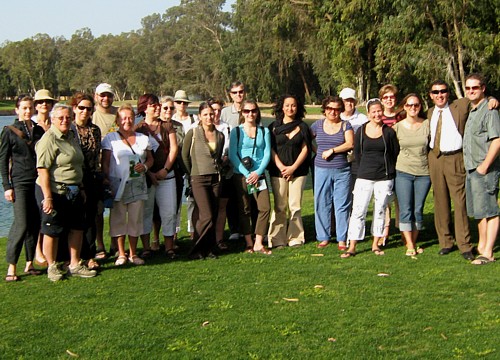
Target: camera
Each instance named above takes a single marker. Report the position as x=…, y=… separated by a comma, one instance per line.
x=247, y=162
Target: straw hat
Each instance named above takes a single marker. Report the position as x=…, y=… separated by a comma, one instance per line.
x=44, y=94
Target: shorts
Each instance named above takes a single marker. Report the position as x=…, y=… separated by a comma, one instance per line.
x=126, y=219
x=482, y=194
x=67, y=214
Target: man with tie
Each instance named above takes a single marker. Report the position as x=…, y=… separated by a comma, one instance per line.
x=447, y=171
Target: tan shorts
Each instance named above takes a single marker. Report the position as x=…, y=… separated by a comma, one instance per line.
x=126, y=219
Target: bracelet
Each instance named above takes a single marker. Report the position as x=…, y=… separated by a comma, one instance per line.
x=166, y=169
x=333, y=150
x=145, y=168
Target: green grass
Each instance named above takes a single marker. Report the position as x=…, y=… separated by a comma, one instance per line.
x=7, y=105
x=431, y=307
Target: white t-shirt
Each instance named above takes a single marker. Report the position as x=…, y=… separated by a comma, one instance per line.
x=121, y=154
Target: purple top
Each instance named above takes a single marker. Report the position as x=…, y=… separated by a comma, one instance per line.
x=326, y=141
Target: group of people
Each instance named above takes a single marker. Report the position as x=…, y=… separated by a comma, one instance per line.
x=60, y=173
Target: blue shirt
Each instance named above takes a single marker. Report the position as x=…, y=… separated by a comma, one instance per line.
x=244, y=147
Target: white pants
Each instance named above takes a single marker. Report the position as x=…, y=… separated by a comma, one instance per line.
x=166, y=199
x=362, y=194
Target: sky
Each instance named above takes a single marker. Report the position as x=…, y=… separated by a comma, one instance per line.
x=63, y=17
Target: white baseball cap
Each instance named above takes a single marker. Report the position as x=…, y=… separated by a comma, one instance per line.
x=104, y=88
x=348, y=93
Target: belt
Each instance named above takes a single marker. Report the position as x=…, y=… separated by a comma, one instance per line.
x=448, y=153
x=62, y=188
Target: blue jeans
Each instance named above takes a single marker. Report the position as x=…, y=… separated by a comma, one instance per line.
x=331, y=187
x=411, y=191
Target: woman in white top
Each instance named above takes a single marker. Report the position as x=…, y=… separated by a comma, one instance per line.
x=126, y=157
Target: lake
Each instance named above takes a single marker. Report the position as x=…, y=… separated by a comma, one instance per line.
x=5, y=207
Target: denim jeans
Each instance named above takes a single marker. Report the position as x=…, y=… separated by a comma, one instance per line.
x=411, y=191
x=331, y=188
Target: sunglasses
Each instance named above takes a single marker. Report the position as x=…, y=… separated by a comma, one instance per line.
x=388, y=97
x=416, y=105
x=45, y=101
x=103, y=95
x=239, y=92
x=442, y=91
x=182, y=102
x=88, y=108
x=248, y=111
x=329, y=108
x=169, y=107
x=473, y=88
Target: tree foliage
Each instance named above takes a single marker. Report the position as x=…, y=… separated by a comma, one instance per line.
x=308, y=47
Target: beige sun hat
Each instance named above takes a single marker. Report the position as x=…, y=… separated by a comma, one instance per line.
x=181, y=95
x=43, y=94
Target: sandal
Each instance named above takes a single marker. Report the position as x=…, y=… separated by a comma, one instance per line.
x=480, y=260
x=222, y=245
x=12, y=278
x=323, y=244
x=122, y=260
x=155, y=245
x=342, y=247
x=41, y=263
x=249, y=250
x=136, y=260
x=101, y=254
x=411, y=252
x=264, y=251
x=146, y=254
x=348, y=254
x=378, y=252
x=93, y=265
x=32, y=271
x=171, y=254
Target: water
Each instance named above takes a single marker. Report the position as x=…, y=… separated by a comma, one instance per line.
x=5, y=207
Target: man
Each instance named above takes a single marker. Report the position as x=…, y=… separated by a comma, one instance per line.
x=104, y=117
x=481, y=148
x=446, y=166
x=105, y=112
x=231, y=114
x=351, y=114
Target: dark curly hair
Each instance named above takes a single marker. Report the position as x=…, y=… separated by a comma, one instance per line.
x=332, y=99
x=278, y=108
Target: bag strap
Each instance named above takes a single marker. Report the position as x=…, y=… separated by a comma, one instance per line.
x=123, y=138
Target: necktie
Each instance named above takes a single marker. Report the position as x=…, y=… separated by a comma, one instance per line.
x=437, y=138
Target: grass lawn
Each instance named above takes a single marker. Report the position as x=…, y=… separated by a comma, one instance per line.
x=290, y=305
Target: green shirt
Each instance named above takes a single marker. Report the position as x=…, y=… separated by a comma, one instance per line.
x=413, y=144
x=482, y=126
x=62, y=156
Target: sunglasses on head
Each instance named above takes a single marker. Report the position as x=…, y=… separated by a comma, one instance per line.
x=248, y=111
x=88, y=108
x=441, y=91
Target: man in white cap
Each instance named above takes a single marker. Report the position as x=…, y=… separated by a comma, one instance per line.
x=104, y=117
x=350, y=113
x=105, y=112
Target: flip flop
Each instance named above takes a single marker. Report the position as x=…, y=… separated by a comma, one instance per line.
x=322, y=244
x=264, y=251
x=33, y=272
x=347, y=255
x=12, y=278
x=378, y=252
x=249, y=250
x=481, y=260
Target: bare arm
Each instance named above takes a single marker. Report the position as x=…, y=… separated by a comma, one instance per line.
x=491, y=155
x=44, y=182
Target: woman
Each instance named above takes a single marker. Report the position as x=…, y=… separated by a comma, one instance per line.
x=44, y=102
x=332, y=172
x=202, y=154
x=126, y=157
x=250, y=152
x=412, y=171
x=161, y=174
x=60, y=193
x=289, y=166
x=225, y=185
x=376, y=149
x=89, y=138
x=18, y=170
x=388, y=94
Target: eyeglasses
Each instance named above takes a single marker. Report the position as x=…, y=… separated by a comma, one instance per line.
x=169, y=107
x=329, y=108
x=182, y=102
x=441, y=91
x=61, y=118
x=103, y=95
x=389, y=97
x=416, y=105
x=248, y=111
x=88, y=108
x=239, y=92
x=473, y=88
